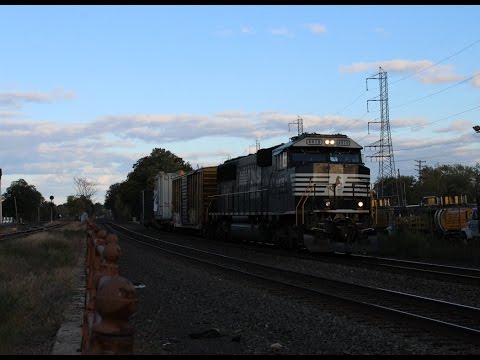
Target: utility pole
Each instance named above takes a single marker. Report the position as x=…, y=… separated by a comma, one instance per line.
x=401, y=196
x=16, y=211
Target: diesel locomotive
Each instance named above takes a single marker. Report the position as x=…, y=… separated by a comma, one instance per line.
x=312, y=192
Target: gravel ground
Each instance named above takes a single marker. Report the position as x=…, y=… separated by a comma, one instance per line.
x=186, y=308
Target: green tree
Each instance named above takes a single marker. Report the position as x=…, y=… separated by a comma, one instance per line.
x=441, y=180
x=444, y=180
x=114, y=201
x=22, y=200
x=123, y=199
x=76, y=205
x=99, y=210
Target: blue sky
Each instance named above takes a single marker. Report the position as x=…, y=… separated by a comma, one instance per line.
x=86, y=91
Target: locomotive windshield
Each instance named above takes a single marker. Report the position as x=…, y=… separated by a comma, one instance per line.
x=345, y=158
x=327, y=155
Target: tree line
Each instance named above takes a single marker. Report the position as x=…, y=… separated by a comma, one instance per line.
x=23, y=202
x=441, y=180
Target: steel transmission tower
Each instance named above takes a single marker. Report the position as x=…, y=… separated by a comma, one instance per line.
x=384, y=154
x=299, y=124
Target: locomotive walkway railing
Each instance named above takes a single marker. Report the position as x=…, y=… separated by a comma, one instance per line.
x=110, y=299
x=303, y=200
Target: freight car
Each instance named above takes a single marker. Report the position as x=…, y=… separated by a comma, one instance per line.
x=191, y=196
x=312, y=192
x=162, y=199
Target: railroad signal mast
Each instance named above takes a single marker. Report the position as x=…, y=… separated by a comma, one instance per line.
x=384, y=154
x=51, y=208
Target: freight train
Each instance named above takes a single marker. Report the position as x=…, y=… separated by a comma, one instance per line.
x=312, y=192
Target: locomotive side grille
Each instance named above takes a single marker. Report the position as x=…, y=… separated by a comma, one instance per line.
x=344, y=184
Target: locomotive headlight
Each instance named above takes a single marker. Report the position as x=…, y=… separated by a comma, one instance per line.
x=327, y=203
x=330, y=142
x=360, y=204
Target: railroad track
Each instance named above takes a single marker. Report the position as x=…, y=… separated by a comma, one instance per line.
x=33, y=229
x=435, y=271
x=439, y=272
x=408, y=311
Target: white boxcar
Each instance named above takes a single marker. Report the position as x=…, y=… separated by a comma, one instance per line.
x=162, y=195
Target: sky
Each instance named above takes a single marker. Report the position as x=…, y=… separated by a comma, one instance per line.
x=87, y=90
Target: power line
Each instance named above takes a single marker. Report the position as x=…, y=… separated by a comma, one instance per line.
x=353, y=121
x=445, y=118
x=462, y=139
x=435, y=93
x=408, y=76
x=346, y=107
x=439, y=62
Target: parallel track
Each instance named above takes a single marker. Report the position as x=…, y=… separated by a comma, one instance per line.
x=32, y=230
x=453, y=320
x=439, y=272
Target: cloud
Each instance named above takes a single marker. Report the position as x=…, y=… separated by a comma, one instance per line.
x=16, y=98
x=414, y=122
x=11, y=114
x=247, y=30
x=455, y=126
x=429, y=144
x=317, y=28
x=476, y=79
x=439, y=78
x=281, y=31
x=427, y=73
x=396, y=65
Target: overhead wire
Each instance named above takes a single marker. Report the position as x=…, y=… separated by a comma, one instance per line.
x=438, y=62
x=432, y=94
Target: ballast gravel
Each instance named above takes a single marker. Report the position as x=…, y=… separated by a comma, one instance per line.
x=188, y=309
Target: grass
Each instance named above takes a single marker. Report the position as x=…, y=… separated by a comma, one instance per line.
x=36, y=284
x=429, y=247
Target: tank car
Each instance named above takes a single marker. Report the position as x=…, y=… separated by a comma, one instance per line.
x=312, y=192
